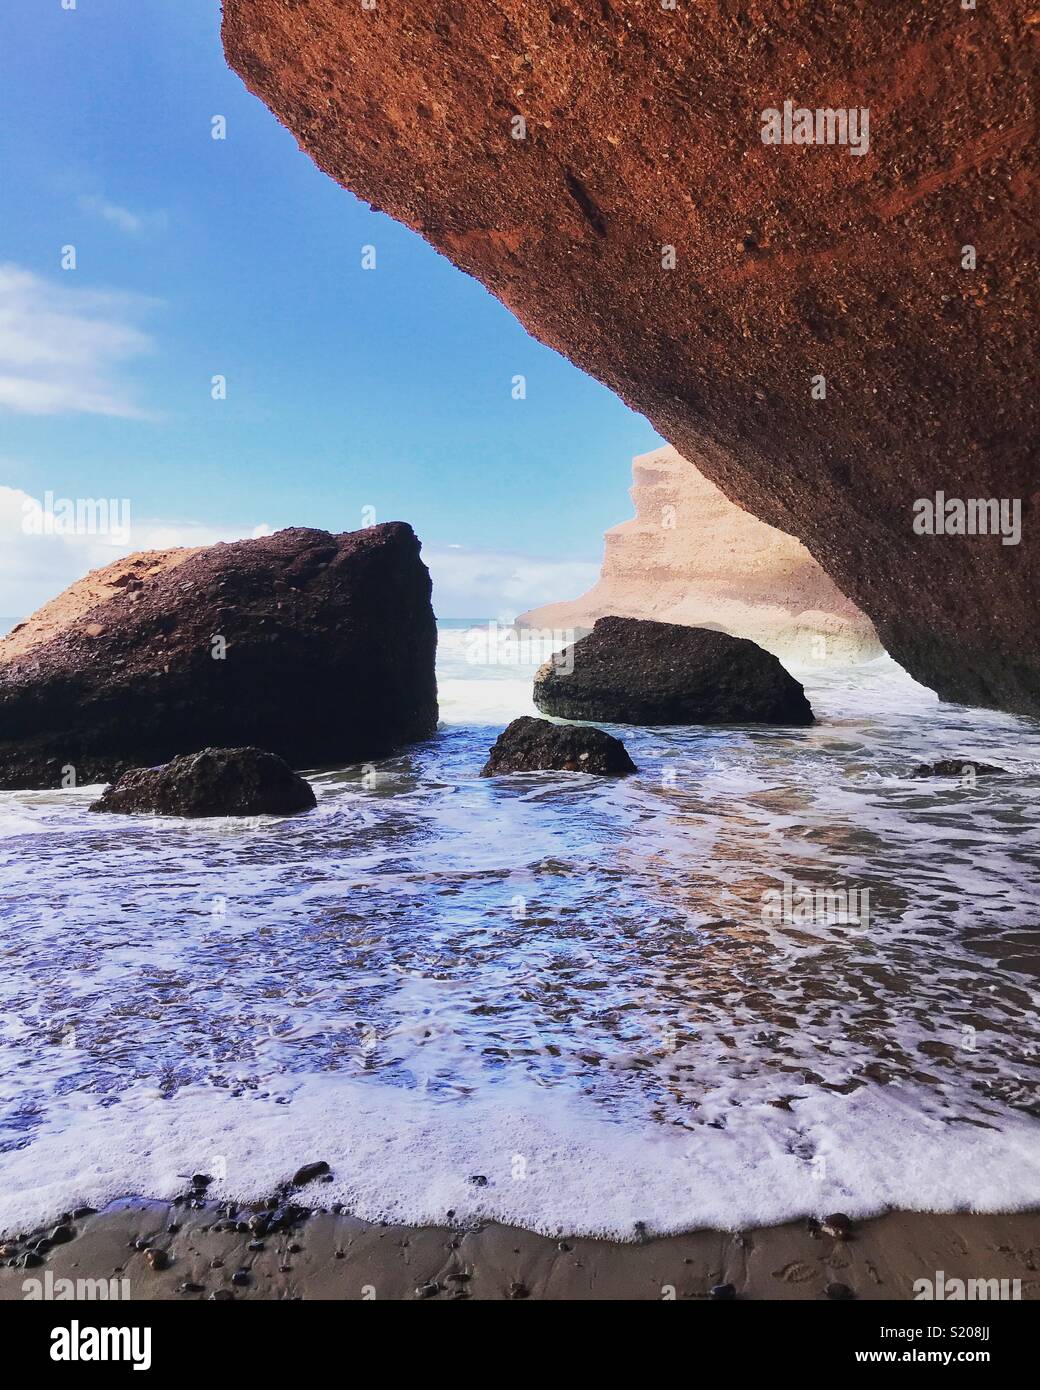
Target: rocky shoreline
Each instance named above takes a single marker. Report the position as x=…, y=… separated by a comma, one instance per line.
x=197, y=1250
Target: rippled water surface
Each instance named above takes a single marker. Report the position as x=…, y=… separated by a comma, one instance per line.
x=563, y=984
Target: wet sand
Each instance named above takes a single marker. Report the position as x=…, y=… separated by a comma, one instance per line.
x=203, y=1251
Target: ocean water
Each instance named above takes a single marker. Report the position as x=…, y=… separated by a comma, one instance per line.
x=551, y=999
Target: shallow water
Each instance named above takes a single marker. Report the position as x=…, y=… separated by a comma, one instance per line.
x=564, y=986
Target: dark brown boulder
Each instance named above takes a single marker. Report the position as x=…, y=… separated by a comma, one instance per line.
x=956, y=767
x=631, y=671
x=535, y=745
x=213, y=782
x=601, y=168
x=316, y=647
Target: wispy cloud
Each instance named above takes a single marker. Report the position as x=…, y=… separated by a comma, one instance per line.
x=62, y=349
x=35, y=568
x=499, y=584
x=133, y=223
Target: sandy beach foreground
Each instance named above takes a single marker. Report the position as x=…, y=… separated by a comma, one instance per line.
x=179, y=1251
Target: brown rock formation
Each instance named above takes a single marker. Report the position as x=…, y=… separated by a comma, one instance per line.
x=690, y=556
x=211, y=782
x=642, y=132
x=126, y=575
x=318, y=648
x=538, y=745
x=633, y=671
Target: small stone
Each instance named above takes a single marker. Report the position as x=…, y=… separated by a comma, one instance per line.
x=722, y=1291
x=217, y=1263
x=200, y=1180
x=957, y=767
x=518, y=1290
x=158, y=1259
x=837, y=1225
x=840, y=1293
x=309, y=1172
x=221, y=1295
x=479, y=1180
x=240, y=1277
x=61, y=1235
x=428, y=1290
x=28, y=1260
x=189, y=1287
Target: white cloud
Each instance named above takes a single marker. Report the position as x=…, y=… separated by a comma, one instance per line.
x=499, y=584
x=133, y=223
x=62, y=348
x=35, y=568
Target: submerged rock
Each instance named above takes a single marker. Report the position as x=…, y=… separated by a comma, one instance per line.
x=317, y=647
x=956, y=767
x=631, y=671
x=309, y=1172
x=533, y=745
x=215, y=782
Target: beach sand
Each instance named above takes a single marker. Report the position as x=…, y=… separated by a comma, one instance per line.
x=326, y=1256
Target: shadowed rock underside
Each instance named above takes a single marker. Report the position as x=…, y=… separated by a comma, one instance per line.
x=791, y=262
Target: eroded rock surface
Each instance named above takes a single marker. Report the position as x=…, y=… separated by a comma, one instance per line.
x=316, y=647
x=212, y=782
x=641, y=150
x=535, y=745
x=628, y=671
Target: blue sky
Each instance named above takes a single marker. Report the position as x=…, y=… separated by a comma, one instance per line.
x=346, y=388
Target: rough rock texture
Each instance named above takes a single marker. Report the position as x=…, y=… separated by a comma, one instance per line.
x=531, y=745
x=126, y=575
x=330, y=644
x=628, y=671
x=956, y=767
x=213, y=782
x=643, y=132
x=690, y=556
